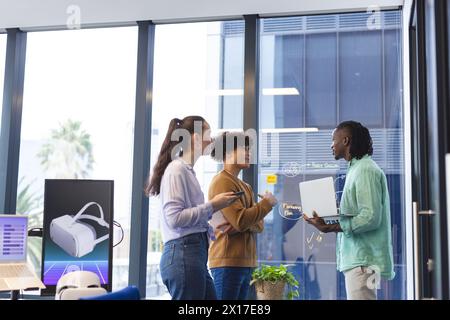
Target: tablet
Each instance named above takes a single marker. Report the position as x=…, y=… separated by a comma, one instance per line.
x=217, y=219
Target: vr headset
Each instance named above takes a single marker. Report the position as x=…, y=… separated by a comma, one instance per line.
x=77, y=284
x=75, y=237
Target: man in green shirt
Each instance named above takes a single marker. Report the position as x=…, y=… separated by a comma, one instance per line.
x=364, y=245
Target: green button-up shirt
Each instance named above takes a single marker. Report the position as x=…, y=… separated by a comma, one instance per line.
x=366, y=237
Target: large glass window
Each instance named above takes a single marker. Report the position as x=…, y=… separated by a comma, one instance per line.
x=2, y=71
x=320, y=81
x=198, y=70
x=360, y=76
x=337, y=67
x=78, y=119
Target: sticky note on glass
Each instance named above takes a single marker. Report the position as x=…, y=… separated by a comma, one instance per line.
x=271, y=179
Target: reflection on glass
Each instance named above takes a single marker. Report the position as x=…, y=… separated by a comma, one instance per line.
x=2, y=70
x=198, y=70
x=343, y=70
x=78, y=116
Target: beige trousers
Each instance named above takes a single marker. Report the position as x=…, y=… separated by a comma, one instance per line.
x=359, y=284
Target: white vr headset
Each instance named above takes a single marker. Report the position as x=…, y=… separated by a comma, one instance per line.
x=77, y=284
x=75, y=237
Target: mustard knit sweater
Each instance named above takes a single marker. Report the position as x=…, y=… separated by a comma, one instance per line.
x=246, y=216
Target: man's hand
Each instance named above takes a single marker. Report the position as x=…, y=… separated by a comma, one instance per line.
x=316, y=221
x=226, y=227
x=320, y=224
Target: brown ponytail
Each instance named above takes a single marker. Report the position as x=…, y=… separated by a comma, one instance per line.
x=153, y=186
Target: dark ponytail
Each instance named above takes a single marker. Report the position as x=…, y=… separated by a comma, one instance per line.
x=153, y=186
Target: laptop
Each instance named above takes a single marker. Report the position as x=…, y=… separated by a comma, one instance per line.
x=319, y=195
x=15, y=274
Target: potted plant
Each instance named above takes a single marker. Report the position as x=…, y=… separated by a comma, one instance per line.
x=270, y=283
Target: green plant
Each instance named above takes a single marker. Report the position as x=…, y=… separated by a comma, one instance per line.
x=275, y=274
x=154, y=241
x=30, y=203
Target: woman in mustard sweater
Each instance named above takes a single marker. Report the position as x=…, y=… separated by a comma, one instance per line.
x=232, y=256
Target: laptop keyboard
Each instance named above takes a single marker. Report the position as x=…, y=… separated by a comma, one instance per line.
x=13, y=271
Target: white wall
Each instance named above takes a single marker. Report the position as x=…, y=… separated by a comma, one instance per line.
x=44, y=14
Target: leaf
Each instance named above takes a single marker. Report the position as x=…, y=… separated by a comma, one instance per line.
x=275, y=274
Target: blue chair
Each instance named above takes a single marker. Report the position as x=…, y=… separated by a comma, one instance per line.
x=128, y=293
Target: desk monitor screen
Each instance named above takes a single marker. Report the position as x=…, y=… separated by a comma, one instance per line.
x=319, y=195
x=13, y=238
x=78, y=225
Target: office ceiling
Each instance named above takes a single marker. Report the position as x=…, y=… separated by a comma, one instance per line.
x=54, y=14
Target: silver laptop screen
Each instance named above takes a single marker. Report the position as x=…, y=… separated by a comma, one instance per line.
x=13, y=238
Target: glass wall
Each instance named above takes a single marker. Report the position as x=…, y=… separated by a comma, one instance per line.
x=2, y=71
x=78, y=119
x=198, y=70
x=315, y=71
x=327, y=69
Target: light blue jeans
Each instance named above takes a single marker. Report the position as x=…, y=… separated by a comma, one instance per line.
x=184, y=268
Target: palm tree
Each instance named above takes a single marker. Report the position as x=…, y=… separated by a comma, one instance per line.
x=68, y=154
x=29, y=203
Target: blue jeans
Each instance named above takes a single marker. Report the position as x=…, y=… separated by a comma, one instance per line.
x=184, y=270
x=232, y=283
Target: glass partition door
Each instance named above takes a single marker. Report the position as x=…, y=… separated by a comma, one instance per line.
x=325, y=69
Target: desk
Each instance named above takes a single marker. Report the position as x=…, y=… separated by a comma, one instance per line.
x=25, y=295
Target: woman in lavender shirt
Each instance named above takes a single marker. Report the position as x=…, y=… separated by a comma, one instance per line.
x=184, y=214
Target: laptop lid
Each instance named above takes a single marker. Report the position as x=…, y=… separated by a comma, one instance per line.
x=319, y=195
x=13, y=238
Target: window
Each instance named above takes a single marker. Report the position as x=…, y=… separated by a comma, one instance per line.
x=360, y=76
x=2, y=70
x=198, y=70
x=78, y=119
x=321, y=71
x=330, y=68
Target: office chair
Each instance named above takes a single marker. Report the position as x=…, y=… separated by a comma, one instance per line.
x=128, y=293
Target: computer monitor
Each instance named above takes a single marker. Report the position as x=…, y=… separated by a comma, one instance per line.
x=13, y=238
x=78, y=229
